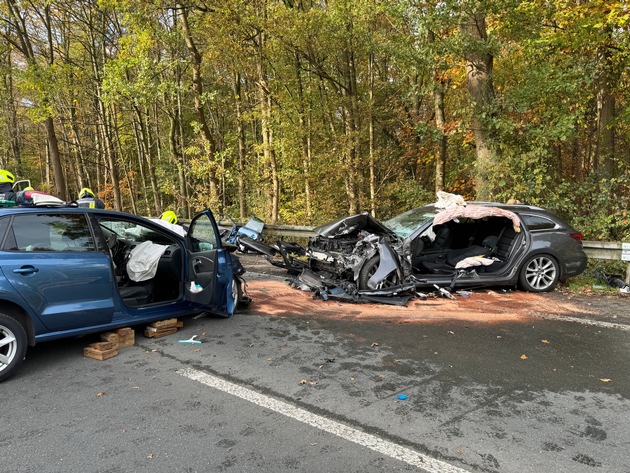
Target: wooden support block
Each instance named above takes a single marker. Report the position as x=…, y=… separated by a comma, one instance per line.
x=159, y=333
x=160, y=329
x=180, y=324
x=126, y=332
x=101, y=346
x=127, y=337
x=99, y=354
x=111, y=337
x=164, y=323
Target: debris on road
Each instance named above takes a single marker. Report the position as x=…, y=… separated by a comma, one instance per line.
x=190, y=341
x=612, y=280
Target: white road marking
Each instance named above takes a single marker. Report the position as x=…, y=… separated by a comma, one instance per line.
x=385, y=447
x=596, y=323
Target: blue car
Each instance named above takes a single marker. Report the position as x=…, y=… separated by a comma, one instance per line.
x=66, y=272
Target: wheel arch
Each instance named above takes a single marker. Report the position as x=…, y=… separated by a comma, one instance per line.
x=543, y=252
x=530, y=258
x=16, y=312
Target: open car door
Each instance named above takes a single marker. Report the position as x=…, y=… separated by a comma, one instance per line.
x=209, y=271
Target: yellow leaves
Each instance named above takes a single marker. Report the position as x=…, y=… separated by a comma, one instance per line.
x=523, y=357
x=101, y=394
x=605, y=380
x=545, y=341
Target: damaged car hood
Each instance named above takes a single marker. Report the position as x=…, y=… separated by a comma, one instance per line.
x=347, y=225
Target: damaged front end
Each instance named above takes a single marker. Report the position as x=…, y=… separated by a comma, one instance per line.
x=352, y=258
x=358, y=249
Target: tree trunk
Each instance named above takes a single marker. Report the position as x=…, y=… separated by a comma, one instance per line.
x=606, y=113
x=305, y=138
x=188, y=210
x=55, y=160
x=440, y=158
x=479, y=66
x=440, y=124
x=140, y=154
x=241, y=157
x=351, y=123
x=266, y=107
x=268, y=146
x=13, y=121
x=198, y=94
x=371, y=133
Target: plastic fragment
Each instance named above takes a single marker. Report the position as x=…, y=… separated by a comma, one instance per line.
x=190, y=341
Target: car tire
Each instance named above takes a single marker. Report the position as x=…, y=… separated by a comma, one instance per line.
x=237, y=292
x=13, y=344
x=540, y=273
x=369, y=268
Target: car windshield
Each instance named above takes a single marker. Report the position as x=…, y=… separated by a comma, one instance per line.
x=408, y=222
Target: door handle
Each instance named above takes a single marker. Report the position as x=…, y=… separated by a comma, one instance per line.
x=26, y=270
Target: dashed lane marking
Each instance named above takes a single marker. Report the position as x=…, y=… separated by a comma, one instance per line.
x=385, y=447
x=596, y=323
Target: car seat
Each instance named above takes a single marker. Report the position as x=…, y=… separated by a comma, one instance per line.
x=447, y=263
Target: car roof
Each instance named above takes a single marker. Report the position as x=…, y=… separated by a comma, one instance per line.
x=53, y=209
x=517, y=209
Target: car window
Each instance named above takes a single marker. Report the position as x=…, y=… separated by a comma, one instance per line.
x=202, y=234
x=408, y=222
x=49, y=232
x=135, y=231
x=536, y=222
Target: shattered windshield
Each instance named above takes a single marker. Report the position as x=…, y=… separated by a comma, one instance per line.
x=408, y=222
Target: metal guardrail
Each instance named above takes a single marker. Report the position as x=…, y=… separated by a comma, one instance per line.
x=280, y=232
x=603, y=250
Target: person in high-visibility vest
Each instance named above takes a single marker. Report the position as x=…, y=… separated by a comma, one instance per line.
x=88, y=199
x=7, y=195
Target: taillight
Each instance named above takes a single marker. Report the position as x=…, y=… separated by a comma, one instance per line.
x=577, y=236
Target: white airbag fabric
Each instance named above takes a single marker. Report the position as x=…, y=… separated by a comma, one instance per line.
x=472, y=261
x=143, y=260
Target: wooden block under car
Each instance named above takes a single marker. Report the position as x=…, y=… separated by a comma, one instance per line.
x=102, y=346
x=111, y=337
x=127, y=336
x=100, y=351
x=169, y=323
x=152, y=332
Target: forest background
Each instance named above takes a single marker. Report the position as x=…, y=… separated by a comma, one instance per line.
x=303, y=111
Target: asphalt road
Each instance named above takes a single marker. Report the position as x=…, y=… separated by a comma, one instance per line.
x=272, y=393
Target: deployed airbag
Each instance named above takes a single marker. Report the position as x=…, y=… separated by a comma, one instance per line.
x=143, y=260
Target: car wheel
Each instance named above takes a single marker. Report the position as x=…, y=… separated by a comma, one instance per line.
x=369, y=268
x=13, y=344
x=237, y=292
x=540, y=273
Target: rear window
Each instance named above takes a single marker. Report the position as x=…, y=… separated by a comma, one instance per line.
x=46, y=232
x=536, y=222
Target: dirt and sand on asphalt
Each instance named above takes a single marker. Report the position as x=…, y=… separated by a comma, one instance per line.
x=273, y=296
